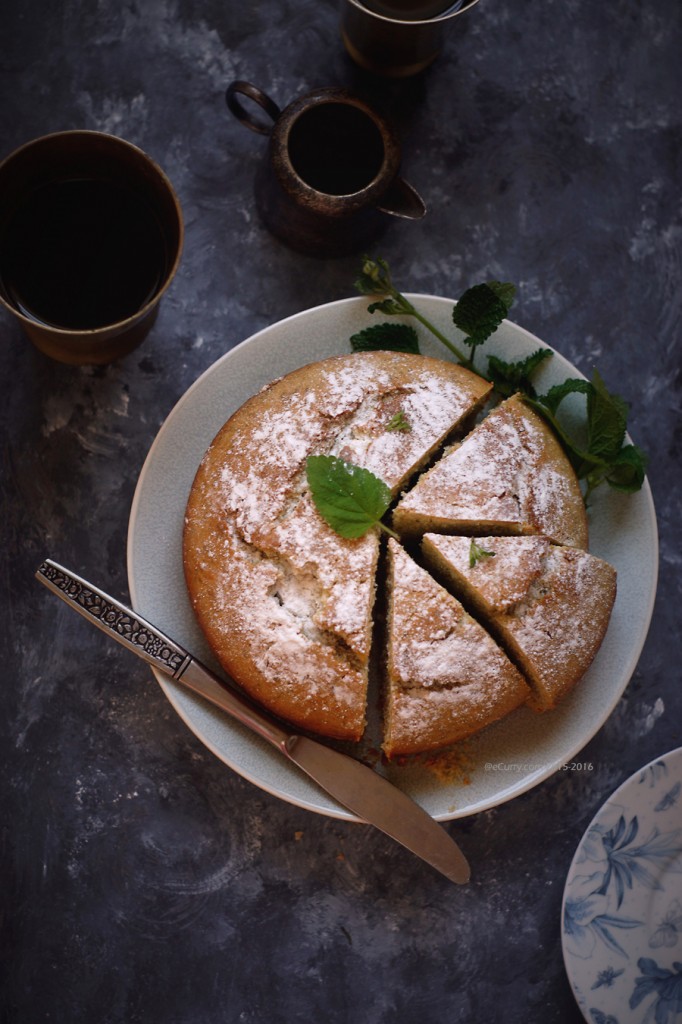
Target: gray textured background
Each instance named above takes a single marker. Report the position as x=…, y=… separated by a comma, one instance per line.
x=142, y=881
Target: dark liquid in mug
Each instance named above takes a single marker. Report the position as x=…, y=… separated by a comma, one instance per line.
x=82, y=253
x=336, y=149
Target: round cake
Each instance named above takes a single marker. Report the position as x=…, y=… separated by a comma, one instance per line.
x=288, y=605
x=284, y=601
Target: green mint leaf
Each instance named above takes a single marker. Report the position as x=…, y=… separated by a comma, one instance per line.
x=605, y=458
x=627, y=470
x=477, y=553
x=479, y=313
x=555, y=396
x=606, y=421
x=508, y=378
x=349, y=498
x=375, y=279
x=583, y=463
x=607, y=416
x=394, y=337
x=399, y=422
x=599, y=457
x=504, y=291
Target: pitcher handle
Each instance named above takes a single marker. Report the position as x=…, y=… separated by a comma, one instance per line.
x=238, y=88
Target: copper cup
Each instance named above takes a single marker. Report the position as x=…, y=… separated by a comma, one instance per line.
x=91, y=234
x=397, y=38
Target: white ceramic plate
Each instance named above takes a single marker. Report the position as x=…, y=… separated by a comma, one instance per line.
x=505, y=760
x=622, y=908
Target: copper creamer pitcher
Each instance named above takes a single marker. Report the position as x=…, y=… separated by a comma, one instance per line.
x=331, y=172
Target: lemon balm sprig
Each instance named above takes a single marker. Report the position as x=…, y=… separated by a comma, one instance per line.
x=478, y=314
x=375, y=279
x=605, y=456
x=602, y=456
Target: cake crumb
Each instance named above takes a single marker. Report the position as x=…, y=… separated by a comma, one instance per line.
x=451, y=766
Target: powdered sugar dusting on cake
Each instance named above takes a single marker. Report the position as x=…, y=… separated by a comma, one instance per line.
x=549, y=605
x=447, y=675
x=502, y=573
x=276, y=618
x=508, y=472
x=260, y=479
x=558, y=621
x=435, y=642
x=315, y=614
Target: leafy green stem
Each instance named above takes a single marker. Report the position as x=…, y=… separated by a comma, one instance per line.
x=388, y=530
x=604, y=456
x=441, y=337
x=375, y=279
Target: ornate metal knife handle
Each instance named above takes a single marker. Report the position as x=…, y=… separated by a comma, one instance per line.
x=132, y=631
x=149, y=643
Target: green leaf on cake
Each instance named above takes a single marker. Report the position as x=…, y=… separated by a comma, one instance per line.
x=477, y=554
x=399, y=422
x=349, y=498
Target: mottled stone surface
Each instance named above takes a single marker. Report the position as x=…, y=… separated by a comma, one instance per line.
x=143, y=881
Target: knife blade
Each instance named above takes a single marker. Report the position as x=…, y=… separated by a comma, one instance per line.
x=354, y=785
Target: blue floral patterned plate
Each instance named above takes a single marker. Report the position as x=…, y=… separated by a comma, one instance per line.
x=622, y=908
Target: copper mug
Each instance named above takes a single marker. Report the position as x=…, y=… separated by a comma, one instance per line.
x=330, y=175
x=397, y=38
x=91, y=234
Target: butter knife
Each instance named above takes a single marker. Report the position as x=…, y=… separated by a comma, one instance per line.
x=354, y=785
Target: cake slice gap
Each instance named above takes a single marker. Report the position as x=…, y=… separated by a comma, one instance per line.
x=445, y=676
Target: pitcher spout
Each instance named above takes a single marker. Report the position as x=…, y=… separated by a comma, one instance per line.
x=402, y=200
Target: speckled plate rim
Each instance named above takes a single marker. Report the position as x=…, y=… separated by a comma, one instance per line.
x=505, y=760
x=599, y=980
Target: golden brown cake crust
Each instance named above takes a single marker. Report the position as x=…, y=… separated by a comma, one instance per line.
x=509, y=475
x=549, y=605
x=446, y=676
x=286, y=603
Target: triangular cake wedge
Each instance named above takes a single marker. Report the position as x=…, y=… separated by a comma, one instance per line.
x=446, y=678
x=548, y=605
x=286, y=603
x=509, y=475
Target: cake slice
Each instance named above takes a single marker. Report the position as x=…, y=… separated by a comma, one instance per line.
x=285, y=603
x=509, y=475
x=446, y=678
x=549, y=606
